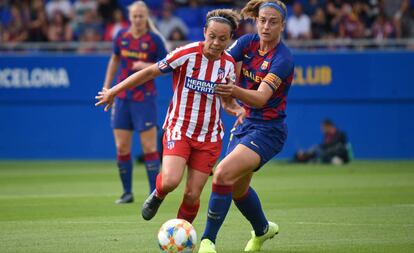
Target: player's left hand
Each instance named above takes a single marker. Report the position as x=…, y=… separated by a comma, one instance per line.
x=240, y=114
x=105, y=96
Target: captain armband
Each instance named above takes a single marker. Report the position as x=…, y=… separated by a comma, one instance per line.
x=273, y=81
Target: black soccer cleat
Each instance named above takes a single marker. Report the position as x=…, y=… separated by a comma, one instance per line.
x=125, y=198
x=150, y=206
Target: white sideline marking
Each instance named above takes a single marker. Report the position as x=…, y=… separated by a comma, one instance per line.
x=349, y=224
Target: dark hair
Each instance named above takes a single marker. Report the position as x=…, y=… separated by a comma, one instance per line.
x=328, y=122
x=227, y=16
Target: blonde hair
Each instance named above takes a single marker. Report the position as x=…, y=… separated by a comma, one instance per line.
x=227, y=16
x=251, y=10
x=150, y=24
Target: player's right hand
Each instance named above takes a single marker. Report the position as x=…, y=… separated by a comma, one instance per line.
x=105, y=96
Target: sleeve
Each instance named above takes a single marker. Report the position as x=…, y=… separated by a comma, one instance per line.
x=173, y=60
x=280, y=69
x=161, y=50
x=117, y=43
x=237, y=48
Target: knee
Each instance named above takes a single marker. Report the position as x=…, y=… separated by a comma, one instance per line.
x=169, y=183
x=223, y=176
x=122, y=149
x=191, y=196
x=148, y=145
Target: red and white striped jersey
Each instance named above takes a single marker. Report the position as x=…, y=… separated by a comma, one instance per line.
x=195, y=110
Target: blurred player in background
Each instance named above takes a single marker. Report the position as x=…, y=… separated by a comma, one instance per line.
x=135, y=48
x=266, y=75
x=193, y=127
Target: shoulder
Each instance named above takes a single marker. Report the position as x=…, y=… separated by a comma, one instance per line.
x=121, y=34
x=248, y=38
x=154, y=36
x=227, y=56
x=189, y=49
x=284, y=55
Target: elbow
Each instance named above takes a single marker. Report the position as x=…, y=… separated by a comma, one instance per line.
x=260, y=104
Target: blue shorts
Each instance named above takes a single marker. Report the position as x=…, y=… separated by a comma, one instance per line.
x=266, y=138
x=131, y=115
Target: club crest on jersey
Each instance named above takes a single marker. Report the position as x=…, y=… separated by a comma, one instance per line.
x=124, y=42
x=144, y=45
x=202, y=86
x=170, y=144
x=264, y=66
x=220, y=73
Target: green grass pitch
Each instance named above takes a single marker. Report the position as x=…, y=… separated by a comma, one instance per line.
x=67, y=206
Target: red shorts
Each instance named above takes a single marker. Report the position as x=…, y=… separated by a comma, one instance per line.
x=201, y=156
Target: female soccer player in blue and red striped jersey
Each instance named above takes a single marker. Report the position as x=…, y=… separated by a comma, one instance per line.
x=266, y=72
x=193, y=127
x=135, y=48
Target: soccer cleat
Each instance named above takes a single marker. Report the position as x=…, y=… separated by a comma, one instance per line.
x=255, y=244
x=125, y=198
x=150, y=206
x=207, y=246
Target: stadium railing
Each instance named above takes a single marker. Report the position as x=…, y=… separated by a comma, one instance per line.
x=106, y=47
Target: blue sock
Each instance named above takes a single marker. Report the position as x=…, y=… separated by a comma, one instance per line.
x=125, y=172
x=249, y=205
x=152, y=165
x=218, y=207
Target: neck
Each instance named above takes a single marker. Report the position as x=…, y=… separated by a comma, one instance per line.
x=138, y=33
x=209, y=56
x=266, y=46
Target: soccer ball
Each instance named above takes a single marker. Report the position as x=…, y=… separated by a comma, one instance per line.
x=177, y=236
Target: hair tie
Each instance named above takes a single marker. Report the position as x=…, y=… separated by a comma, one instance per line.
x=274, y=6
x=222, y=19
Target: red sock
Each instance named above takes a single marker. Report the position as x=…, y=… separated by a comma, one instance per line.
x=188, y=212
x=158, y=187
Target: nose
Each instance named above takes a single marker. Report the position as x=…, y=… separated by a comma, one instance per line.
x=216, y=41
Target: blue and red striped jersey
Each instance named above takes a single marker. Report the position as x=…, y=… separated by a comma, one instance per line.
x=147, y=48
x=276, y=64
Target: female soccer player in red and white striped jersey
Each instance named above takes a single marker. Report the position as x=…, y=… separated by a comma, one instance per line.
x=193, y=128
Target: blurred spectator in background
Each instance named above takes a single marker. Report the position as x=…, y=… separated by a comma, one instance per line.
x=63, y=6
x=310, y=7
x=118, y=23
x=59, y=28
x=403, y=20
x=382, y=28
x=82, y=11
x=348, y=23
x=90, y=22
x=16, y=29
x=320, y=26
x=299, y=24
x=334, y=148
x=168, y=23
x=89, y=36
x=24, y=20
x=106, y=8
x=38, y=21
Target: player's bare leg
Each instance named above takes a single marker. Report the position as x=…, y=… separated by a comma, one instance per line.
x=191, y=201
x=168, y=179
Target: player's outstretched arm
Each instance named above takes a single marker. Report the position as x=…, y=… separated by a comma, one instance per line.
x=257, y=98
x=107, y=96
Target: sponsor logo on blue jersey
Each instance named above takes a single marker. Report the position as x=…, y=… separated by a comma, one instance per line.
x=200, y=85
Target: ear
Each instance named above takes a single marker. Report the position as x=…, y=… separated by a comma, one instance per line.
x=205, y=32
